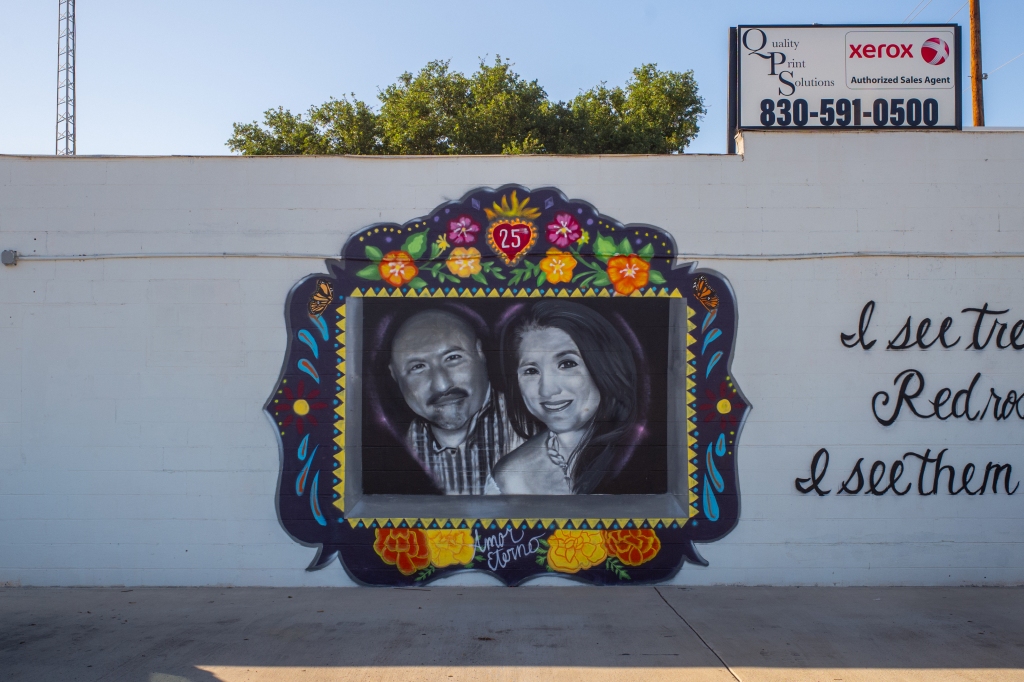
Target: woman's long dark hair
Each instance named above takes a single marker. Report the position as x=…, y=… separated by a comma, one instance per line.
x=612, y=367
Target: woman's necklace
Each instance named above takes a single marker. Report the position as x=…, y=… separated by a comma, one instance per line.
x=555, y=455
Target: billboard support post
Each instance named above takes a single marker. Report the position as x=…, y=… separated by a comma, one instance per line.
x=730, y=143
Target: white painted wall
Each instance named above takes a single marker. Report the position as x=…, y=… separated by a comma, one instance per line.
x=133, y=449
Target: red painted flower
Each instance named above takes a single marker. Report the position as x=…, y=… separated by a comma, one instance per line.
x=405, y=548
x=564, y=231
x=632, y=546
x=723, y=406
x=462, y=230
x=297, y=406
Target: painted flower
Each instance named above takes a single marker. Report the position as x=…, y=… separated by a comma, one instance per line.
x=628, y=273
x=463, y=230
x=450, y=547
x=464, y=262
x=442, y=243
x=722, y=406
x=564, y=231
x=405, y=548
x=558, y=265
x=571, y=551
x=585, y=237
x=397, y=268
x=632, y=546
x=297, y=406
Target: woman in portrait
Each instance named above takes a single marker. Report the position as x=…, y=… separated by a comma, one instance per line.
x=570, y=381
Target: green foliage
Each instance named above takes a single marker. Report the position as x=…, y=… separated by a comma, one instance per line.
x=616, y=567
x=492, y=111
x=416, y=244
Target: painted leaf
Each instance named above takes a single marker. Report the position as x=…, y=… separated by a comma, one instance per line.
x=417, y=283
x=624, y=249
x=656, y=277
x=601, y=280
x=374, y=254
x=479, y=278
x=604, y=247
x=647, y=252
x=369, y=272
x=416, y=244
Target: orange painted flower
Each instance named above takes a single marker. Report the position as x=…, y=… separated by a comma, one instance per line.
x=397, y=268
x=464, y=262
x=450, y=547
x=628, y=273
x=405, y=548
x=558, y=265
x=571, y=551
x=633, y=546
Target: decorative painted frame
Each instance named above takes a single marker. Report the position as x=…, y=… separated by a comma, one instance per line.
x=466, y=249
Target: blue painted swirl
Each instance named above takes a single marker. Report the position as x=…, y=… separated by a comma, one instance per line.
x=307, y=367
x=321, y=325
x=314, y=503
x=716, y=478
x=708, y=319
x=308, y=339
x=300, y=482
x=720, y=445
x=712, y=335
x=712, y=362
x=710, y=503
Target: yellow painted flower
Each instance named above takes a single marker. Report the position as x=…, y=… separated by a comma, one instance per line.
x=464, y=262
x=585, y=237
x=571, y=551
x=449, y=547
x=558, y=265
x=442, y=244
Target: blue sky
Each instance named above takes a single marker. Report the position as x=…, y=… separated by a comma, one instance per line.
x=171, y=77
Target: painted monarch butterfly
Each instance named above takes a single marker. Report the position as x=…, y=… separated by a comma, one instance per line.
x=704, y=293
x=321, y=298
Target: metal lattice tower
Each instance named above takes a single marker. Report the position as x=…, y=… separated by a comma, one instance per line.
x=66, y=79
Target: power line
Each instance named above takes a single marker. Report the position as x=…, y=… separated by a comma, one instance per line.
x=906, y=18
x=915, y=16
x=1012, y=60
x=957, y=12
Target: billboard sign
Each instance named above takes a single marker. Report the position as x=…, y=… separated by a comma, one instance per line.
x=902, y=76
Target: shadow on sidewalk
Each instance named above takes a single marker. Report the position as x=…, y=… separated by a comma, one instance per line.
x=197, y=634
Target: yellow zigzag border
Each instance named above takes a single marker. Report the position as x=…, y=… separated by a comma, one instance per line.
x=382, y=292
x=575, y=524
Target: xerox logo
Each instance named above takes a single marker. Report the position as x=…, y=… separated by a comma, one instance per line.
x=890, y=50
x=934, y=51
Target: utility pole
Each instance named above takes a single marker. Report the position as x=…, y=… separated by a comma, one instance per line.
x=977, y=97
x=66, y=78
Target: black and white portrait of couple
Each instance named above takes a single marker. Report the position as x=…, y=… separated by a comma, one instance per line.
x=543, y=397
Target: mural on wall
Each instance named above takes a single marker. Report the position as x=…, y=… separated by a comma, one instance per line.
x=515, y=384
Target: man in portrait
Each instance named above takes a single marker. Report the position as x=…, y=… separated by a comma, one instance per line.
x=460, y=430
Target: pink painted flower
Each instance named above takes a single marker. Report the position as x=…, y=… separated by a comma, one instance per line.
x=564, y=231
x=463, y=230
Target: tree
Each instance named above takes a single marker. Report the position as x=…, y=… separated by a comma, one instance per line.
x=493, y=111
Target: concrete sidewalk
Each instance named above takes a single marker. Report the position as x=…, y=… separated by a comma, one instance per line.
x=463, y=634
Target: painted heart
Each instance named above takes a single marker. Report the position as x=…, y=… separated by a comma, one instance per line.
x=511, y=239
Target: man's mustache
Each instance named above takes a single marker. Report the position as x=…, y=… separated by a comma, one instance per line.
x=451, y=393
